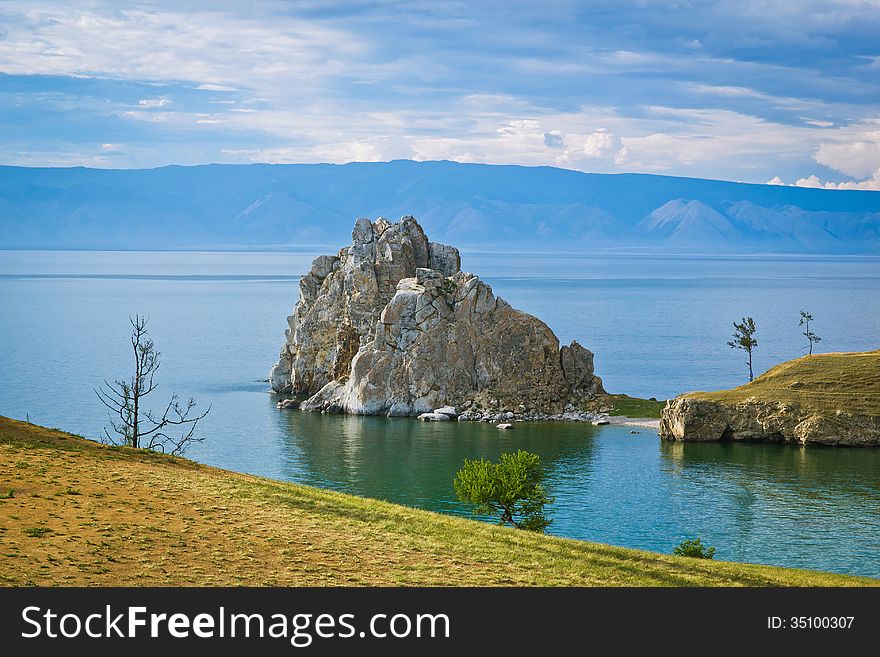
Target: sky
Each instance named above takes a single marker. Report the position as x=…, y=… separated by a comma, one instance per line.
x=747, y=90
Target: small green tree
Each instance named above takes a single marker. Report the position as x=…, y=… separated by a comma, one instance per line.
x=694, y=549
x=511, y=489
x=744, y=338
x=811, y=337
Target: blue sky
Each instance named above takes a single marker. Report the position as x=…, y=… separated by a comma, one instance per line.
x=741, y=90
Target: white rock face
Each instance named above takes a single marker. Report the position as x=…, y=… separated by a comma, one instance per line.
x=391, y=326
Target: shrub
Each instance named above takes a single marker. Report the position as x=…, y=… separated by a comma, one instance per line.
x=694, y=549
x=37, y=532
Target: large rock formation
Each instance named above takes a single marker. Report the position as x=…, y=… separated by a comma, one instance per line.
x=391, y=326
x=700, y=420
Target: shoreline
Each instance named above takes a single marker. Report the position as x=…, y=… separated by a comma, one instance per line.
x=646, y=422
x=596, y=419
x=244, y=530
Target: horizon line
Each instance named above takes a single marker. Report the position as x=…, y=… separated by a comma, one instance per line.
x=419, y=162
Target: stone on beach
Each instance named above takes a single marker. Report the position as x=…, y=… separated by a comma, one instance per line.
x=434, y=417
x=447, y=410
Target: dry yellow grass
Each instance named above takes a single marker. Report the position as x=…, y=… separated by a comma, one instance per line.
x=848, y=382
x=85, y=514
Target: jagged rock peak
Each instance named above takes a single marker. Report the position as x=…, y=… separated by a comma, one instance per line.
x=392, y=326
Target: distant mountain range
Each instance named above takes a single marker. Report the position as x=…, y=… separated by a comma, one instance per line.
x=231, y=206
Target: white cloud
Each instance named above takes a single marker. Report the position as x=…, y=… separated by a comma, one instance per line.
x=775, y=180
x=356, y=151
x=817, y=122
x=524, y=124
x=598, y=143
x=858, y=158
x=215, y=49
x=872, y=183
x=629, y=57
x=810, y=181
x=722, y=90
x=215, y=87
x=150, y=117
x=695, y=141
x=153, y=102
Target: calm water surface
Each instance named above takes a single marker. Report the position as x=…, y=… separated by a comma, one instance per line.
x=658, y=327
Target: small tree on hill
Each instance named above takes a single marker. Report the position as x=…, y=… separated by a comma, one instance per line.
x=132, y=425
x=744, y=338
x=511, y=489
x=811, y=337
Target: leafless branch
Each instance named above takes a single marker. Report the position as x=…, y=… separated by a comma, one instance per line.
x=136, y=427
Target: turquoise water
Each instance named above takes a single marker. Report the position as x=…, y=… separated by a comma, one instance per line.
x=658, y=327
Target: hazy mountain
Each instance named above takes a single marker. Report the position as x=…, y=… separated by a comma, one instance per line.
x=470, y=205
x=688, y=223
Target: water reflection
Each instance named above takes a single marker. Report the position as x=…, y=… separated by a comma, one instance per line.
x=410, y=462
x=778, y=504
x=808, y=507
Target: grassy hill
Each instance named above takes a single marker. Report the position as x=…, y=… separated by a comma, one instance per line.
x=74, y=512
x=848, y=382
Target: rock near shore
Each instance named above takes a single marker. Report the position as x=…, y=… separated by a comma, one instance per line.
x=392, y=326
x=690, y=419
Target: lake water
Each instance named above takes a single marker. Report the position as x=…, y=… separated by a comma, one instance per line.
x=658, y=326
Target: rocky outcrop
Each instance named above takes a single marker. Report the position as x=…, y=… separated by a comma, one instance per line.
x=694, y=419
x=392, y=326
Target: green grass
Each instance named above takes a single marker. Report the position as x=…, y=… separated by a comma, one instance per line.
x=633, y=406
x=37, y=532
x=848, y=382
x=625, y=406
x=150, y=520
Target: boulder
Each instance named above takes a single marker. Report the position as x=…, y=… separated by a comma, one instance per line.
x=391, y=326
x=504, y=425
x=434, y=417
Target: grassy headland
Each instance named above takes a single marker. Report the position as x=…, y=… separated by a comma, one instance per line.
x=848, y=382
x=625, y=406
x=74, y=512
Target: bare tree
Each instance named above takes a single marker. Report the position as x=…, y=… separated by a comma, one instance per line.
x=811, y=337
x=132, y=425
x=744, y=338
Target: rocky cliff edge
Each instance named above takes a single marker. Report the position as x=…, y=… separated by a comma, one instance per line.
x=821, y=399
